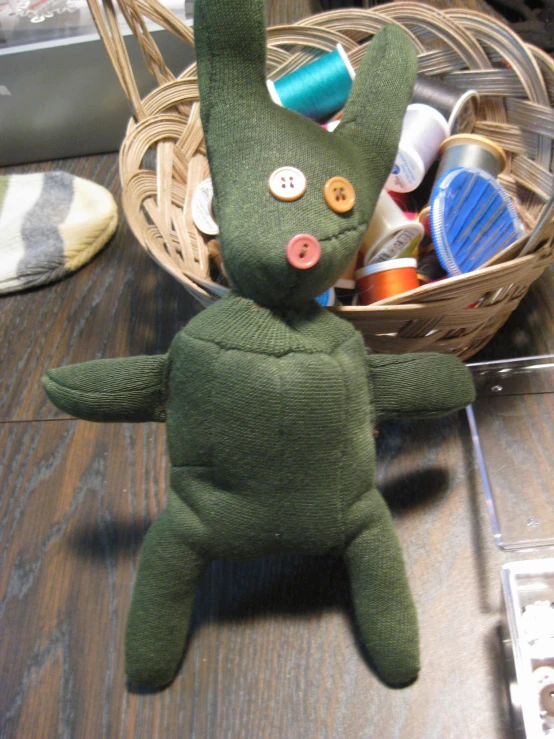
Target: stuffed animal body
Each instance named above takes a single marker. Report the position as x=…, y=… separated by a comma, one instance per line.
x=271, y=401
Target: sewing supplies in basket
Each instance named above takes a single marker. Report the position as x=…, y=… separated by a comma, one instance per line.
x=321, y=87
x=317, y=89
x=459, y=107
x=423, y=131
x=469, y=151
x=437, y=127
x=472, y=219
x=391, y=233
x=385, y=279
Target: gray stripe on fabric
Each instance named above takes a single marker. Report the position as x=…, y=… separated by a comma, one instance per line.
x=44, y=258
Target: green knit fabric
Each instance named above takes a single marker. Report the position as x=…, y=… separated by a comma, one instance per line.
x=130, y=389
x=248, y=136
x=271, y=401
x=418, y=385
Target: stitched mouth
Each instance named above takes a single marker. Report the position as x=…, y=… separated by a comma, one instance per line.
x=299, y=277
x=292, y=284
x=360, y=227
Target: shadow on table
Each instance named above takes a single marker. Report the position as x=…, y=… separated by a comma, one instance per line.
x=287, y=584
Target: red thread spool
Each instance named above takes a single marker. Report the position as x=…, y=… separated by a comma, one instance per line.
x=385, y=279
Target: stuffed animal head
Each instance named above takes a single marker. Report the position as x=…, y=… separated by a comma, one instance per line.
x=284, y=251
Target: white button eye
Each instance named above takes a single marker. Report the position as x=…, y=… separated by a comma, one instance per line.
x=287, y=183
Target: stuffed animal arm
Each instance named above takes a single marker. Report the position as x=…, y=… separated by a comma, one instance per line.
x=270, y=400
x=135, y=389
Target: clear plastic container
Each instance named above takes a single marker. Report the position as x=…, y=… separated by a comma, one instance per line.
x=528, y=639
x=59, y=95
x=28, y=22
x=512, y=430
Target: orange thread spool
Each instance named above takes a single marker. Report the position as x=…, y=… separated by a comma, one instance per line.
x=385, y=279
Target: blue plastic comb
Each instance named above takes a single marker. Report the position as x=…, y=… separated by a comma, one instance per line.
x=472, y=219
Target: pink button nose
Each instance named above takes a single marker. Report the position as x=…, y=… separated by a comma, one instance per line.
x=303, y=251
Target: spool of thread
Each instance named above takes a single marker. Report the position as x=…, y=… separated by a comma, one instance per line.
x=402, y=199
x=317, y=89
x=390, y=234
x=471, y=151
x=459, y=107
x=384, y=280
x=406, y=203
x=202, y=208
x=423, y=131
x=472, y=219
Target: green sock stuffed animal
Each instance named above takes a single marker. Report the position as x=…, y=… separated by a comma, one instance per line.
x=270, y=401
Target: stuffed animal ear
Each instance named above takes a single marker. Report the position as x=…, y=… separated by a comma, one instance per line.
x=230, y=42
x=373, y=114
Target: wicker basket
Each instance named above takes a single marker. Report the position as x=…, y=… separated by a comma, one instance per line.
x=163, y=157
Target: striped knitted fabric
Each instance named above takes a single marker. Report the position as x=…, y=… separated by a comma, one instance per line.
x=50, y=225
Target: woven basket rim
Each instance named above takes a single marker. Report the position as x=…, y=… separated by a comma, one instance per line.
x=532, y=72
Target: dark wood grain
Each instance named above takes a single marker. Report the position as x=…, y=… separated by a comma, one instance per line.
x=81, y=318
x=272, y=651
x=517, y=437
x=120, y=304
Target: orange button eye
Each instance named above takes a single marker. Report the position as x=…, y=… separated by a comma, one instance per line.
x=339, y=194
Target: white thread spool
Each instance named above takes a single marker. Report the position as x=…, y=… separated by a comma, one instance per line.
x=423, y=131
x=390, y=234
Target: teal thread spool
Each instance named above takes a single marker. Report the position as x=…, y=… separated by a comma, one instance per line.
x=318, y=89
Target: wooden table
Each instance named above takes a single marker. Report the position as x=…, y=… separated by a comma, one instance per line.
x=272, y=652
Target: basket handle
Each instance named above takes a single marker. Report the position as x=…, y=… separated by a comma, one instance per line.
x=542, y=228
x=135, y=11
